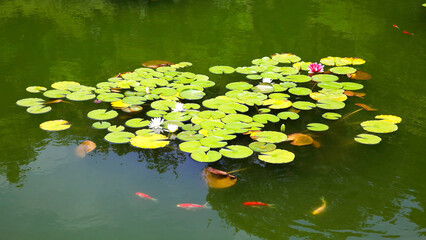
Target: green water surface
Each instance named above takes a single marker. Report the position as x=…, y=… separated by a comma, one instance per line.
x=372, y=192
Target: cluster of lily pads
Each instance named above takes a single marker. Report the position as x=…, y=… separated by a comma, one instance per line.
x=276, y=89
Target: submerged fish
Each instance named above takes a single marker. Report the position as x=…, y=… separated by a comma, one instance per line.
x=143, y=195
x=320, y=209
x=258, y=204
x=408, y=33
x=395, y=26
x=191, y=205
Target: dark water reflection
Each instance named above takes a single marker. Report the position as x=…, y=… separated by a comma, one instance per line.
x=372, y=192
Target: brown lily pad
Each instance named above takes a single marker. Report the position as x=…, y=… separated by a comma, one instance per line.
x=156, y=63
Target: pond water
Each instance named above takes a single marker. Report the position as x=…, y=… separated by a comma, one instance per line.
x=372, y=192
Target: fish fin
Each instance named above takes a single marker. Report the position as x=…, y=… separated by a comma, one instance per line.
x=205, y=205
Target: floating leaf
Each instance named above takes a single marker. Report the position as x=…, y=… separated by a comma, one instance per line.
x=342, y=70
x=191, y=127
x=189, y=136
x=304, y=105
x=155, y=113
x=110, y=97
x=263, y=88
x=84, y=148
x=390, y=118
x=102, y=114
x=156, y=63
x=330, y=85
x=317, y=127
x=38, y=109
x=134, y=100
x=239, y=86
x=300, y=91
x=137, y=123
x=277, y=156
x=288, y=115
x=55, y=125
x=80, y=96
x=379, y=126
x=366, y=138
x=192, y=146
x=101, y=125
x=64, y=85
x=269, y=136
x=238, y=127
x=330, y=104
x=213, y=142
x=300, y=139
x=324, y=78
x=218, y=181
x=115, y=128
x=265, y=118
x=56, y=93
x=365, y=107
x=331, y=116
x=226, y=134
x=236, y=151
x=277, y=104
x=210, y=156
x=35, y=89
x=221, y=69
x=262, y=146
x=28, y=102
x=191, y=94
x=119, y=137
x=285, y=58
x=149, y=141
x=352, y=86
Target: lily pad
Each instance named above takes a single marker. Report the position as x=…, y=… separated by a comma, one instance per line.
x=192, y=146
x=236, y=118
x=298, y=78
x=101, y=125
x=149, y=141
x=265, y=118
x=352, y=86
x=277, y=104
x=262, y=146
x=119, y=137
x=177, y=116
x=110, y=97
x=331, y=116
x=324, y=78
x=28, y=102
x=277, y=156
x=221, y=69
x=192, y=94
x=134, y=100
x=286, y=58
x=263, y=88
x=35, y=89
x=156, y=113
x=211, y=114
x=189, y=136
x=368, y=139
x=80, y=96
x=213, y=142
x=210, y=156
x=390, y=118
x=191, y=127
x=102, y=114
x=137, y=123
x=304, y=105
x=115, y=128
x=269, y=136
x=55, y=125
x=38, y=109
x=56, y=93
x=330, y=85
x=330, y=104
x=239, y=86
x=342, y=70
x=379, y=126
x=300, y=91
x=64, y=85
x=238, y=127
x=317, y=127
x=236, y=151
x=288, y=115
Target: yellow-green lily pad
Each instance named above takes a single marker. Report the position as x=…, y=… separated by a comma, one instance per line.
x=236, y=151
x=277, y=156
x=149, y=141
x=55, y=125
x=368, y=139
x=210, y=156
x=102, y=114
x=38, y=109
x=119, y=137
x=379, y=126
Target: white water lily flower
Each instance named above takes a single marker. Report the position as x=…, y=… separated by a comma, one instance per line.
x=267, y=80
x=179, y=107
x=147, y=90
x=172, y=127
x=155, y=124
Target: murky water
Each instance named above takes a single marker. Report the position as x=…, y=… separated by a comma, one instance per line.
x=46, y=192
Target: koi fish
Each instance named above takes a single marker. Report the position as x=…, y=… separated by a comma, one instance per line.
x=143, y=195
x=191, y=205
x=320, y=209
x=257, y=204
x=408, y=33
x=54, y=101
x=395, y=26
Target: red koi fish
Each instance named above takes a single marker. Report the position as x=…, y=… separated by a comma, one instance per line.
x=143, y=195
x=191, y=205
x=395, y=26
x=408, y=33
x=257, y=204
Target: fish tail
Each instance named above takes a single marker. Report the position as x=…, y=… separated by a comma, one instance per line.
x=271, y=205
x=205, y=205
x=242, y=169
x=154, y=199
x=323, y=200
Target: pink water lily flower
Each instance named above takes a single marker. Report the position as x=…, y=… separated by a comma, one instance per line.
x=316, y=68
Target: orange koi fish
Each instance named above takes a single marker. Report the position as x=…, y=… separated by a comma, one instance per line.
x=408, y=33
x=320, y=209
x=395, y=26
x=257, y=204
x=143, y=195
x=191, y=205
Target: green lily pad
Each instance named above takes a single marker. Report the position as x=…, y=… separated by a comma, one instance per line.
x=330, y=104
x=331, y=116
x=288, y=84
x=286, y=58
x=271, y=75
x=192, y=146
x=304, y=105
x=352, y=86
x=298, y=78
x=245, y=70
x=203, y=83
x=317, y=127
x=211, y=124
x=264, y=61
x=289, y=71
x=189, y=136
x=238, y=127
x=342, y=70
x=149, y=141
x=226, y=134
x=369, y=139
x=115, y=128
x=134, y=100
x=80, y=96
x=213, y=142
x=264, y=110
x=239, y=86
x=119, y=137
x=277, y=156
x=28, y=102
x=263, y=88
x=55, y=125
x=288, y=115
x=279, y=88
x=330, y=85
x=254, y=77
x=211, y=114
x=191, y=127
x=236, y=151
x=279, y=96
x=110, y=97
x=210, y=156
x=269, y=136
x=191, y=94
x=137, y=123
x=101, y=125
x=221, y=69
x=379, y=126
x=265, y=118
x=35, y=89
x=38, y=109
x=324, y=78
x=300, y=91
x=235, y=117
x=163, y=105
x=177, y=116
x=155, y=113
x=102, y=114
x=56, y=93
x=232, y=107
x=262, y=146
x=64, y=85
